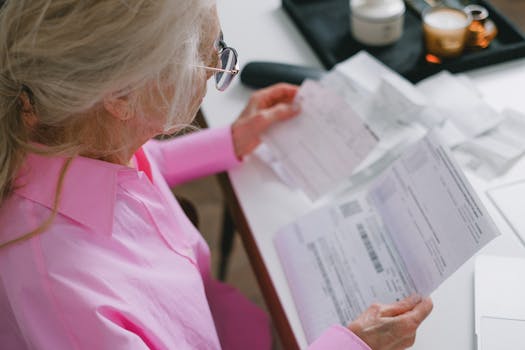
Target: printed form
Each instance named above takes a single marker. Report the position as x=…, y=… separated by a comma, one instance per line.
x=405, y=232
x=321, y=147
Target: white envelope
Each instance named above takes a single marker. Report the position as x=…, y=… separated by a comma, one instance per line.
x=500, y=303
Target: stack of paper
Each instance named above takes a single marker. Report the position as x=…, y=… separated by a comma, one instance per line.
x=460, y=104
x=494, y=152
x=324, y=145
x=405, y=232
x=330, y=145
x=510, y=201
x=499, y=307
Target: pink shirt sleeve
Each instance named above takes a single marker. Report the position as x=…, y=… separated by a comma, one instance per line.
x=338, y=338
x=202, y=153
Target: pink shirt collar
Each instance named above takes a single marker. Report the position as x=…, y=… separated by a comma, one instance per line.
x=89, y=188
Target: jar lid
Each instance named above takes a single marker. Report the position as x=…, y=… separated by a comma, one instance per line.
x=377, y=10
x=478, y=13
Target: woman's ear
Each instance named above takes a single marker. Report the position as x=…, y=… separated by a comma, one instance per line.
x=27, y=110
x=118, y=107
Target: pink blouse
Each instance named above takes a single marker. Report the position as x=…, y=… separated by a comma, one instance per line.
x=121, y=266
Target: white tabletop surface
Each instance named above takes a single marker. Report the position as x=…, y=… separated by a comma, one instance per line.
x=261, y=30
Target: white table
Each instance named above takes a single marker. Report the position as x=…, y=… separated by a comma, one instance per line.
x=261, y=30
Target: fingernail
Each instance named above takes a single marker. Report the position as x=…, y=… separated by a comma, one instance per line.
x=296, y=107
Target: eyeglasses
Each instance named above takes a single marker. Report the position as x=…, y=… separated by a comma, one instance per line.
x=229, y=65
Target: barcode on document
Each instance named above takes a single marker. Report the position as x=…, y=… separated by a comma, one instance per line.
x=350, y=208
x=370, y=249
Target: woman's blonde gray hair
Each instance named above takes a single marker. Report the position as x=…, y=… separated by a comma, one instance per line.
x=66, y=56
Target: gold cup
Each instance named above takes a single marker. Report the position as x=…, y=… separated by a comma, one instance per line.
x=445, y=32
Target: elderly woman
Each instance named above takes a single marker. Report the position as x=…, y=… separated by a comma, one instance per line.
x=95, y=253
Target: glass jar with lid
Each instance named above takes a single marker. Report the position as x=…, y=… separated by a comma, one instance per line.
x=377, y=22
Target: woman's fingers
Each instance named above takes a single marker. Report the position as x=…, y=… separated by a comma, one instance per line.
x=394, y=326
x=263, y=120
x=277, y=113
x=247, y=131
x=270, y=96
x=420, y=311
x=401, y=306
x=406, y=324
x=266, y=107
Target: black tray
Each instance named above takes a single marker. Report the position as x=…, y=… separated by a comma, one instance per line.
x=326, y=26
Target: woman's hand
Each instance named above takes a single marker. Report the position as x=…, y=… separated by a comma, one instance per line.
x=392, y=327
x=265, y=108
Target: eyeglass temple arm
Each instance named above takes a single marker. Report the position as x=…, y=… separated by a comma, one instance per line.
x=231, y=71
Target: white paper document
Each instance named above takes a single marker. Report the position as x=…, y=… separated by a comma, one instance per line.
x=321, y=147
x=367, y=71
x=496, y=151
x=406, y=231
x=460, y=102
x=483, y=139
x=362, y=114
x=510, y=201
x=385, y=100
x=393, y=108
x=499, y=307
